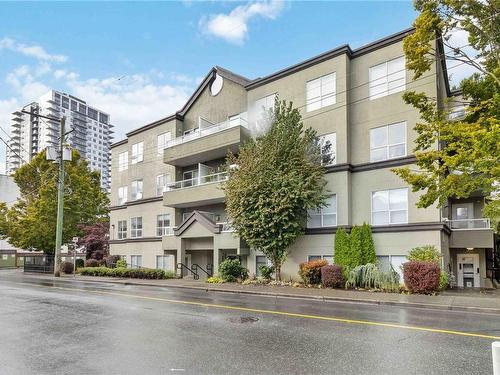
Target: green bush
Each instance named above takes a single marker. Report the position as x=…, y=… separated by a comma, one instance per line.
x=121, y=263
x=444, y=280
x=342, y=248
x=369, y=276
x=79, y=263
x=310, y=272
x=231, y=270
x=427, y=253
x=266, y=271
x=368, y=254
x=134, y=273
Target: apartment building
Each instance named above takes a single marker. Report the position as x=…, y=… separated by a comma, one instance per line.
x=91, y=132
x=168, y=207
x=9, y=194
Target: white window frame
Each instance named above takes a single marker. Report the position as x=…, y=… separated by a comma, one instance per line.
x=320, y=212
x=258, y=264
x=122, y=195
x=389, y=210
x=136, y=261
x=163, y=230
x=135, y=192
x=137, y=152
x=162, y=140
x=332, y=153
x=322, y=98
x=384, y=82
x=122, y=229
x=122, y=161
x=136, y=227
x=162, y=257
x=388, y=145
x=321, y=257
x=160, y=189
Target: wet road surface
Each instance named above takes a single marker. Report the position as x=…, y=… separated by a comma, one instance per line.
x=74, y=327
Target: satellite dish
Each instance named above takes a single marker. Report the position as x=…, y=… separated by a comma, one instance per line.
x=216, y=85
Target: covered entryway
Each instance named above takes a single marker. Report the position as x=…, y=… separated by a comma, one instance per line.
x=468, y=275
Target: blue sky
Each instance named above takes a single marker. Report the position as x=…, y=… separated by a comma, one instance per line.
x=140, y=61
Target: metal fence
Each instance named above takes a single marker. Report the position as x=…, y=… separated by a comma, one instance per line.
x=39, y=264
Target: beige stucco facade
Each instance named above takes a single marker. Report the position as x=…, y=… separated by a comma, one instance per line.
x=212, y=123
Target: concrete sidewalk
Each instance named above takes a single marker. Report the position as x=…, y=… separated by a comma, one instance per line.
x=486, y=301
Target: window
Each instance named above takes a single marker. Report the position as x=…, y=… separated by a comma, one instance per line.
x=136, y=227
x=387, y=78
x=103, y=118
x=396, y=261
x=162, y=181
x=137, y=152
x=162, y=142
x=165, y=262
x=328, y=258
x=388, y=142
x=82, y=109
x=65, y=102
x=92, y=113
x=320, y=92
x=261, y=260
x=390, y=207
x=123, y=161
x=261, y=107
x=122, y=194
x=122, y=229
x=163, y=225
x=324, y=217
x=74, y=105
x=136, y=261
x=136, y=191
x=328, y=144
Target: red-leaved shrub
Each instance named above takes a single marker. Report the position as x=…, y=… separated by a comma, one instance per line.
x=310, y=272
x=111, y=260
x=421, y=277
x=67, y=267
x=331, y=276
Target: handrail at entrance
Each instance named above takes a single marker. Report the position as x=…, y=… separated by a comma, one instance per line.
x=195, y=267
x=180, y=266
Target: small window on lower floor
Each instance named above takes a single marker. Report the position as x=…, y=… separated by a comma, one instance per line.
x=328, y=258
x=396, y=261
x=136, y=261
x=165, y=262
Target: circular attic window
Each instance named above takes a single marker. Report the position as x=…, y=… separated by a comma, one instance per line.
x=216, y=85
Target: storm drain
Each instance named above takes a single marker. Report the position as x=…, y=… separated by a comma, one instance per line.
x=243, y=319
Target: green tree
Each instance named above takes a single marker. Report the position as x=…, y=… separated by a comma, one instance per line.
x=356, y=248
x=272, y=183
x=342, y=249
x=368, y=254
x=31, y=222
x=469, y=157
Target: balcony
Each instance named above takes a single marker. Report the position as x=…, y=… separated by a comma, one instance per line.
x=470, y=233
x=209, y=142
x=200, y=190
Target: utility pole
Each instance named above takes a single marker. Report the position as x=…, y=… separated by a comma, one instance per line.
x=60, y=202
x=60, y=190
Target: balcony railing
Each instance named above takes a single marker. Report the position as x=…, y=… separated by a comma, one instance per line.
x=208, y=215
x=468, y=224
x=226, y=226
x=203, y=132
x=201, y=180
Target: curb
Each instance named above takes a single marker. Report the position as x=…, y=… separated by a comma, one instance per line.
x=313, y=297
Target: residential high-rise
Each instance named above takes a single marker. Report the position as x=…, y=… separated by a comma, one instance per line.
x=90, y=132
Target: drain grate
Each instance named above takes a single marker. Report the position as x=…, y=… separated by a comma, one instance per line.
x=243, y=319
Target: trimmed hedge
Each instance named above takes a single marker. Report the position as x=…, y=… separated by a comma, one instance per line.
x=422, y=277
x=310, y=272
x=332, y=276
x=133, y=273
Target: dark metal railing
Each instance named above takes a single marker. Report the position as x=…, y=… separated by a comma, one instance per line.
x=195, y=267
x=39, y=264
x=181, y=266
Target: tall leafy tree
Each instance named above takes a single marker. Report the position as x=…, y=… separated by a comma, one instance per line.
x=468, y=159
x=272, y=183
x=95, y=239
x=31, y=222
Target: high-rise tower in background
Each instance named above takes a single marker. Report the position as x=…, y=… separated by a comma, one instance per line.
x=91, y=132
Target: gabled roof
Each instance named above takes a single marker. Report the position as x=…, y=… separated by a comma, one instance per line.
x=197, y=216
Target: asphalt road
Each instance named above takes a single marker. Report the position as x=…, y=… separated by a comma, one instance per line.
x=77, y=327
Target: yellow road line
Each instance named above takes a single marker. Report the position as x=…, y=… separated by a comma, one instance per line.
x=281, y=313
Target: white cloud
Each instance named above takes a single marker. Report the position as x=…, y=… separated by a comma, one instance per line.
x=233, y=27
x=457, y=71
x=34, y=51
x=132, y=101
